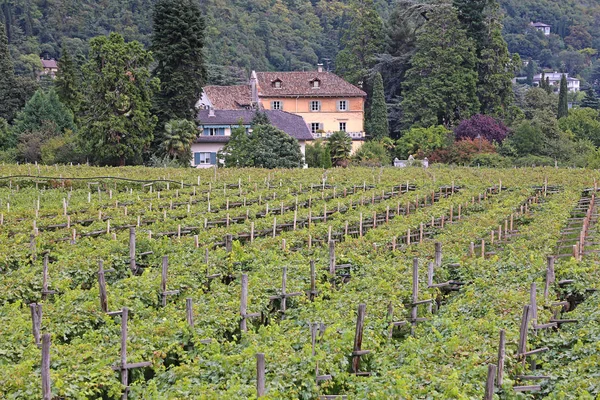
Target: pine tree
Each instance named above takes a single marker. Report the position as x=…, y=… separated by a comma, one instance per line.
x=43, y=107
x=543, y=81
x=563, y=105
x=362, y=40
x=378, y=125
x=9, y=104
x=117, y=126
x=440, y=87
x=530, y=72
x=68, y=81
x=178, y=47
x=590, y=100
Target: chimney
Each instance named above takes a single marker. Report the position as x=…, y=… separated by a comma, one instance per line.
x=320, y=67
x=254, y=88
x=211, y=112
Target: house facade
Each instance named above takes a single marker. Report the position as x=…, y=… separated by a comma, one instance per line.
x=49, y=68
x=540, y=27
x=326, y=102
x=554, y=79
x=215, y=127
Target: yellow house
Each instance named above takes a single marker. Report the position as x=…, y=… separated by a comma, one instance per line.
x=326, y=102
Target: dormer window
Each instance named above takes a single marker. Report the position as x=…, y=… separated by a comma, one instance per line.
x=315, y=83
x=277, y=84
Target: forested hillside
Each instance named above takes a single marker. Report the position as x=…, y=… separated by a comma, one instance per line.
x=266, y=34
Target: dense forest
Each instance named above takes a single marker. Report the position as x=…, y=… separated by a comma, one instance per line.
x=272, y=34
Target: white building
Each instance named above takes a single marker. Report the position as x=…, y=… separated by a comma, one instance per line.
x=215, y=126
x=554, y=79
x=538, y=26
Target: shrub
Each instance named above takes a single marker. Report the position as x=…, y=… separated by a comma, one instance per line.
x=462, y=151
x=372, y=153
x=483, y=126
x=421, y=142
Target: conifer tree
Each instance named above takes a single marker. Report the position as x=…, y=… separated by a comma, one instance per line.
x=591, y=100
x=68, y=81
x=530, y=72
x=362, y=40
x=178, y=47
x=377, y=124
x=440, y=87
x=563, y=105
x=9, y=104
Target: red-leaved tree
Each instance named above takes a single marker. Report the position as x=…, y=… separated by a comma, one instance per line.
x=483, y=126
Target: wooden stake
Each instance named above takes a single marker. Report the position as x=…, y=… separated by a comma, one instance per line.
x=549, y=276
x=102, y=287
x=501, y=355
x=45, y=369
x=332, y=257
x=132, y=264
x=358, y=337
x=189, y=312
x=489, y=385
x=36, y=321
x=438, y=254
x=260, y=374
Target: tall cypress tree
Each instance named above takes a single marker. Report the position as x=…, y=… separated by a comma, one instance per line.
x=530, y=72
x=377, y=124
x=177, y=46
x=563, y=105
x=9, y=104
x=68, y=81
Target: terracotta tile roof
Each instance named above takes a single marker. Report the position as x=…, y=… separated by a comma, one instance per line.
x=49, y=64
x=228, y=97
x=291, y=124
x=300, y=84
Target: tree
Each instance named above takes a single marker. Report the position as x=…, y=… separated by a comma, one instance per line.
x=8, y=139
x=579, y=37
x=317, y=155
x=483, y=126
x=340, y=146
x=273, y=148
x=377, y=123
x=260, y=118
x=238, y=151
x=530, y=69
x=115, y=121
x=563, y=105
x=44, y=107
x=372, y=153
x=590, y=100
x=440, y=87
x=178, y=137
x=362, y=40
x=68, y=81
x=527, y=139
x=178, y=47
x=421, y=142
x=583, y=123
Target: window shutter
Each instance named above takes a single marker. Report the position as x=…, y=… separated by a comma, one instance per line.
x=213, y=158
x=221, y=131
x=319, y=105
x=320, y=125
x=196, y=158
x=339, y=103
x=206, y=132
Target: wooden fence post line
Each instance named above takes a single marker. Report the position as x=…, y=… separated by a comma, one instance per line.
x=189, y=312
x=132, y=264
x=489, y=384
x=260, y=374
x=45, y=369
x=102, y=287
x=501, y=355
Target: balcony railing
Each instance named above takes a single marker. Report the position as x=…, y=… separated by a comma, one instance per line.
x=353, y=135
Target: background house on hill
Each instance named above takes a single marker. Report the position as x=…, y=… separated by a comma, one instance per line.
x=538, y=26
x=554, y=79
x=215, y=127
x=326, y=102
x=49, y=68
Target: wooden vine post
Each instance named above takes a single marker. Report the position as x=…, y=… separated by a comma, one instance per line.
x=358, y=337
x=260, y=374
x=102, y=287
x=36, y=321
x=124, y=367
x=189, y=312
x=132, y=264
x=244, y=305
x=284, y=295
x=163, y=282
x=45, y=368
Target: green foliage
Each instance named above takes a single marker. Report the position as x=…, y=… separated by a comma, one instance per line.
x=362, y=39
x=317, y=155
x=490, y=160
x=68, y=81
x=372, y=153
x=62, y=149
x=421, y=142
x=273, y=148
x=177, y=139
x=340, y=146
x=527, y=138
x=530, y=70
x=563, y=105
x=377, y=124
x=117, y=126
x=178, y=48
x=591, y=100
x=237, y=152
x=440, y=87
x=260, y=118
x=8, y=139
x=44, y=107
x=584, y=123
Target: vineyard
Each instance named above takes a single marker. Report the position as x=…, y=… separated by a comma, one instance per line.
x=444, y=283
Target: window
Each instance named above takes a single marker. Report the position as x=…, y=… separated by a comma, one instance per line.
x=205, y=158
x=276, y=105
x=277, y=84
x=214, y=131
x=315, y=126
x=316, y=84
x=315, y=105
x=342, y=105
x=343, y=126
